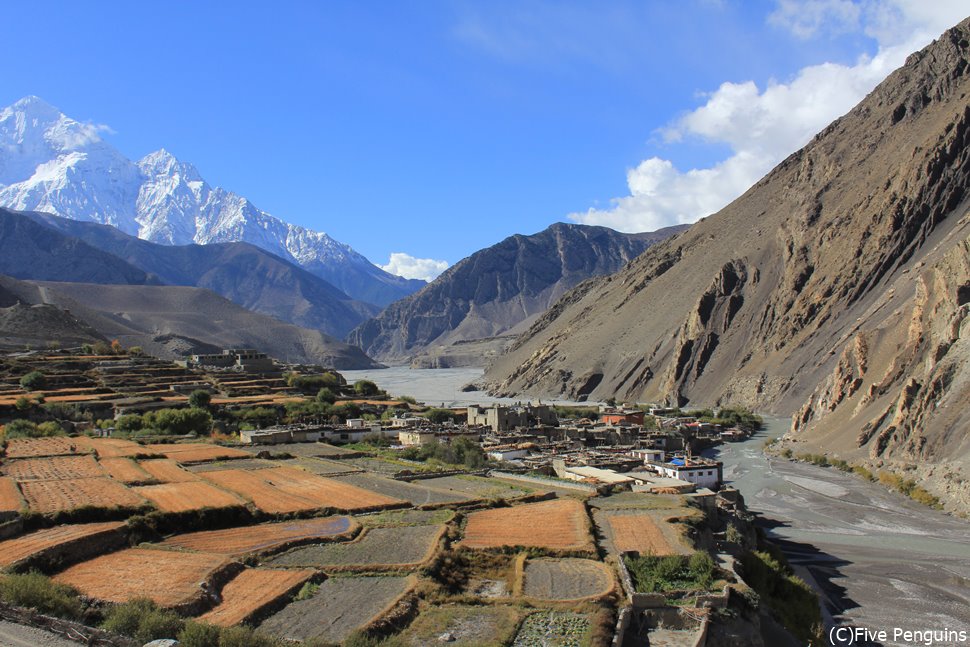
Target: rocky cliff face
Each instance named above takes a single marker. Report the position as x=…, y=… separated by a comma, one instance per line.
x=836, y=288
x=499, y=290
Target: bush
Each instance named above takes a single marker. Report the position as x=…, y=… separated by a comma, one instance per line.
x=40, y=592
x=26, y=429
x=365, y=388
x=326, y=396
x=243, y=636
x=200, y=399
x=310, y=383
x=796, y=605
x=653, y=574
x=142, y=620
x=199, y=634
x=33, y=381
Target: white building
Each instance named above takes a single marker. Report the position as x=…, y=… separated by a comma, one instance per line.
x=701, y=472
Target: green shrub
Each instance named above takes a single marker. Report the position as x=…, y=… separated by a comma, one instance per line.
x=652, y=574
x=21, y=428
x=243, y=636
x=366, y=388
x=40, y=592
x=200, y=399
x=33, y=381
x=792, y=600
x=326, y=396
x=157, y=624
x=863, y=472
x=308, y=591
x=124, y=618
x=199, y=634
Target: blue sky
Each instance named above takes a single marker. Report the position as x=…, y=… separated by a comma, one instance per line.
x=433, y=129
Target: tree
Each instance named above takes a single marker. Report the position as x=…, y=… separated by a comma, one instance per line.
x=325, y=395
x=438, y=416
x=365, y=388
x=33, y=381
x=116, y=347
x=200, y=399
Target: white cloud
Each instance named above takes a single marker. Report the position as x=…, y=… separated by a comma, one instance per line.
x=762, y=126
x=426, y=269
x=807, y=18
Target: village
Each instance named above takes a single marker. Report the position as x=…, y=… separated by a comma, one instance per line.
x=285, y=504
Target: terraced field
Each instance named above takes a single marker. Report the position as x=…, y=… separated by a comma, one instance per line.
x=554, y=629
x=566, y=579
x=467, y=626
x=477, y=487
x=287, y=489
x=125, y=470
x=167, y=471
x=322, y=466
x=53, y=468
x=196, y=452
x=416, y=493
x=264, y=538
x=251, y=591
x=185, y=496
x=48, y=497
x=169, y=578
x=374, y=549
x=10, y=499
x=645, y=534
x=560, y=524
x=115, y=447
x=20, y=548
x=37, y=447
x=339, y=607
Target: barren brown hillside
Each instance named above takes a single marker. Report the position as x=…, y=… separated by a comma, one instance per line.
x=840, y=279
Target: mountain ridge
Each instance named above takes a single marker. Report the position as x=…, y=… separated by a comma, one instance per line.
x=55, y=164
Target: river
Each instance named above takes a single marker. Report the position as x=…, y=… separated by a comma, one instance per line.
x=880, y=560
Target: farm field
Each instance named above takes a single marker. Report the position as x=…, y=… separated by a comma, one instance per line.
x=185, y=496
x=378, y=465
x=644, y=533
x=554, y=629
x=287, y=489
x=115, y=447
x=167, y=471
x=47, y=497
x=37, y=447
x=20, y=548
x=477, y=487
x=374, y=549
x=55, y=467
x=469, y=626
x=566, y=579
x=169, y=578
x=252, y=591
x=196, y=452
x=10, y=499
x=264, y=538
x=339, y=607
x=392, y=518
x=125, y=470
x=560, y=524
x=321, y=466
x=414, y=492
x=306, y=450
x=236, y=464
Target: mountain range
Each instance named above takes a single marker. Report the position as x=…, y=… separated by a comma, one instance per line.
x=52, y=163
x=497, y=291
x=835, y=290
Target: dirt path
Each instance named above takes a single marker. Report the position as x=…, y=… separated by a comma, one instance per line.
x=14, y=635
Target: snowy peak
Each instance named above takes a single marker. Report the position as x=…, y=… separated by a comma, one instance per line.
x=52, y=163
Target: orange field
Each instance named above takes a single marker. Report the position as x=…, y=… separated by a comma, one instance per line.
x=251, y=591
x=167, y=471
x=560, y=524
x=67, y=494
x=641, y=533
x=113, y=447
x=288, y=489
x=10, y=499
x=125, y=470
x=264, y=538
x=197, y=452
x=53, y=468
x=169, y=578
x=181, y=497
x=32, y=447
x=20, y=548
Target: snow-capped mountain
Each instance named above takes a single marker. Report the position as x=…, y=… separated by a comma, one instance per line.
x=50, y=162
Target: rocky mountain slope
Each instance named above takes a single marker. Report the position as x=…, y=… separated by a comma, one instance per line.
x=836, y=288
x=499, y=290
x=243, y=273
x=25, y=325
x=55, y=164
x=171, y=321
